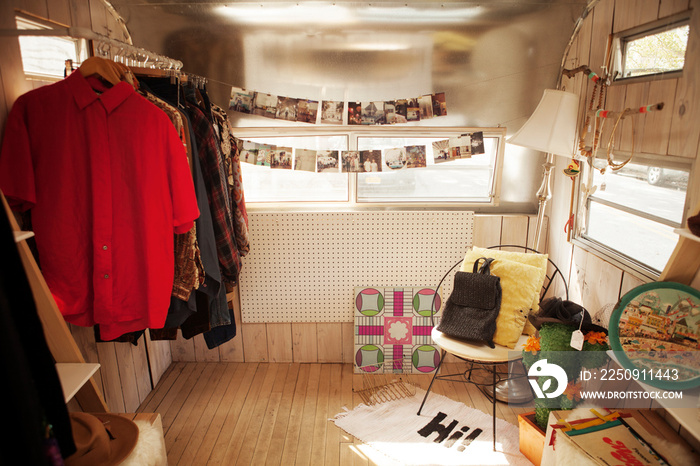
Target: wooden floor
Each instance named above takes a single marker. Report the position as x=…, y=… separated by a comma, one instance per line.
x=272, y=413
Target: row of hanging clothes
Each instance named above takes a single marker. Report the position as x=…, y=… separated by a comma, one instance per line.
x=134, y=190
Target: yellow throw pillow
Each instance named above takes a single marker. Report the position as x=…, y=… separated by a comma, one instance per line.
x=519, y=283
x=534, y=259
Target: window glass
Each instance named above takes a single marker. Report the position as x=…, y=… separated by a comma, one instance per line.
x=385, y=166
x=655, y=52
x=44, y=56
x=264, y=184
x=461, y=180
x=634, y=211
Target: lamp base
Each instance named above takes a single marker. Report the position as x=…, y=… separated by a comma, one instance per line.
x=514, y=391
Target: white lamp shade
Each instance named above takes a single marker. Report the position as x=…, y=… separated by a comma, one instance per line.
x=552, y=127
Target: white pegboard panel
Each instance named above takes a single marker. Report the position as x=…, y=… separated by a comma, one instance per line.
x=303, y=267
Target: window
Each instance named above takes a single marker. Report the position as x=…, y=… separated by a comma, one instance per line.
x=634, y=211
x=44, y=56
x=264, y=184
x=467, y=180
x=462, y=180
x=657, y=49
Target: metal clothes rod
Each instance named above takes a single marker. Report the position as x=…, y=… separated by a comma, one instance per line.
x=138, y=54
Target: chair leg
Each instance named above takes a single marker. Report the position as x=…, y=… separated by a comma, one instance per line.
x=471, y=367
x=493, y=402
x=442, y=356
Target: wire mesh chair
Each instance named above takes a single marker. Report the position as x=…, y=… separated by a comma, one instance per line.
x=481, y=355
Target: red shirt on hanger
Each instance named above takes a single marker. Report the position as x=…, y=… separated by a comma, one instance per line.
x=108, y=183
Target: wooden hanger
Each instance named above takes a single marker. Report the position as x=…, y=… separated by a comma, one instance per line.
x=109, y=70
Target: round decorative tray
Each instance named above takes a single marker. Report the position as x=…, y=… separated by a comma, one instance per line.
x=655, y=333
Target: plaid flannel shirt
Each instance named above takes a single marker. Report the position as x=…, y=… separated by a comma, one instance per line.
x=217, y=193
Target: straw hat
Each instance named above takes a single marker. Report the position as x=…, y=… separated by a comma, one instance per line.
x=101, y=439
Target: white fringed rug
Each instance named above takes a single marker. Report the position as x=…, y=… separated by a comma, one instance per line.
x=446, y=433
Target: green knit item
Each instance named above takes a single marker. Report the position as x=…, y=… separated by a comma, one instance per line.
x=555, y=341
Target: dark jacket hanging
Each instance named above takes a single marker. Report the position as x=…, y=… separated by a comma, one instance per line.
x=33, y=393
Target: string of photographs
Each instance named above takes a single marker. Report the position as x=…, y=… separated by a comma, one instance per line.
x=336, y=112
x=348, y=161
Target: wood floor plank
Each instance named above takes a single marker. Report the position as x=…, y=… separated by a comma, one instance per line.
x=280, y=427
x=182, y=426
x=203, y=418
x=168, y=378
x=162, y=400
x=346, y=395
x=289, y=451
x=175, y=399
x=216, y=427
x=267, y=404
x=320, y=422
x=335, y=406
x=276, y=414
x=227, y=431
x=239, y=433
x=274, y=408
x=303, y=455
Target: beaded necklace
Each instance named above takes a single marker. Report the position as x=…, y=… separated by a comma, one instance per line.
x=599, y=90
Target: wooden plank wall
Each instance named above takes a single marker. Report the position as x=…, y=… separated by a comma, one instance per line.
x=327, y=342
x=128, y=373
x=675, y=131
x=672, y=132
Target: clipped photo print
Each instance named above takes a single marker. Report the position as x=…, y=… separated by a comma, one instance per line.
x=354, y=113
x=441, y=151
x=332, y=112
x=281, y=157
x=425, y=103
x=350, y=161
x=305, y=159
x=287, y=108
x=415, y=156
x=307, y=111
x=327, y=161
x=249, y=152
x=265, y=105
x=371, y=160
x=439, y=104
x=395, y=158
x=241, y=100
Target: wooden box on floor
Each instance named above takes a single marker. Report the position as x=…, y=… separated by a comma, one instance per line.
x=531, y=438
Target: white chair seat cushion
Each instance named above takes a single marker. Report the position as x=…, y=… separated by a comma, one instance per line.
x=478, y=351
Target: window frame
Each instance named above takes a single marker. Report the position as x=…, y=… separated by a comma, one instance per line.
x=42, y=27
x=619, y=40
x=354, y=133
x=615, y=257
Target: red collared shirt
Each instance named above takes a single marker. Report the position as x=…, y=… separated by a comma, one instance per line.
x=107, y=179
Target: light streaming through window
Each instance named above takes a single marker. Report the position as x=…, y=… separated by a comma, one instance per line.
x=655, y=53
x=635, y=210
x=44, y=57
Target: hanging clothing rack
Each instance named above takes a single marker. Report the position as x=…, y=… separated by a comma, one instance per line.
x=106, y=47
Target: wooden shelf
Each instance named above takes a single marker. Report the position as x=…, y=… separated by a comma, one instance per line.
x=686, y=233
x=22, y=235
x=74, y=375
